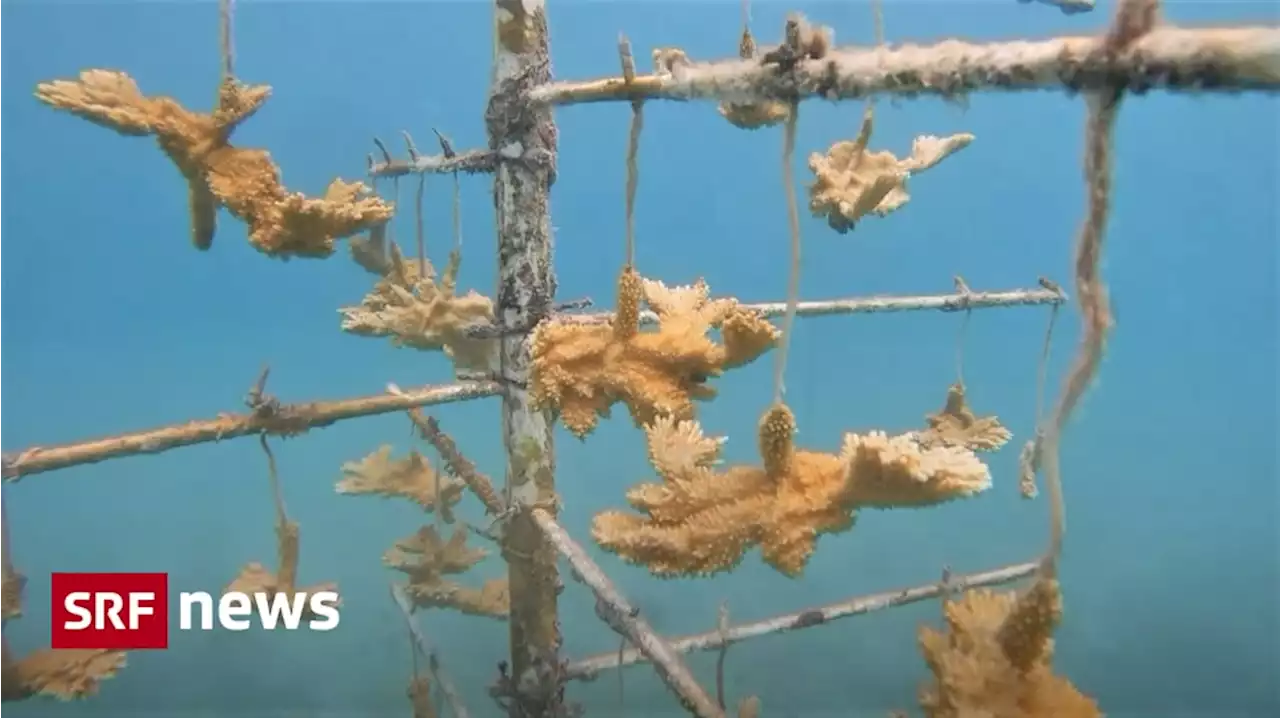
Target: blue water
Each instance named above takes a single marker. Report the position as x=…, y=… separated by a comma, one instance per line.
x=113, y=322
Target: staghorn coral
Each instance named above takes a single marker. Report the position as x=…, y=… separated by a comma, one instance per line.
x=256, y=578
x=244, y=181
x=582, y=369
x=851, y=182
x=702, y=521
x=426, y=559
x=994, y=658
x=956, y=425
x=418, y=309
x=412, y=478
x=66, y=675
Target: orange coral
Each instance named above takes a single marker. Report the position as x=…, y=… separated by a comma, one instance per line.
x=419, y=309
x=957, y=425
x=412, y=478
x=62, y=674
x=427, y=559
x=700, y=521
x=581, y=369
x=995, y=657
x=256, y=578
x=245, y=181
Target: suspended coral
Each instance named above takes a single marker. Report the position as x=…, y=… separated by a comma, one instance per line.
x=994, y=658
x=418, y=309
x=411, y=478
x=426, y=559
x=702, y=521
x=957, y=425
x=69, y=674
x=245, y=181
x=752, y=115
x=851, y=182
x=581, y=369
x=256, y=578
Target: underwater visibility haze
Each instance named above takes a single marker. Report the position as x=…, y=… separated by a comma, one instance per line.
x=784, y=355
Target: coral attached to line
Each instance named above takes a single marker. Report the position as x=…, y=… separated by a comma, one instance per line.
x=245, y=181
x=581, y=369
x=426, y=559
x=411, y=478
x=852, y=182
x=702, y=521
x=995, y=658
x=419, y=309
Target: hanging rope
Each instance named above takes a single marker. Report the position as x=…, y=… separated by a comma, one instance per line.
x=226, y=10
x=793, y=283
x=746, y=45
x=1029, y=459
x=962, y=288
x=633, y=148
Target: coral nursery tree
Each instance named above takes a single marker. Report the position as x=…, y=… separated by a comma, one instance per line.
x=656, y=354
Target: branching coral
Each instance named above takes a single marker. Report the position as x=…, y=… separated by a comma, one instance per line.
x=256, y=578
x=13, y=582
x=582, y=369
x=851, y=182
x=426, y=558
x=62, y=674
x=412, y=478
x=702, y=521
x=245, y=181
x=995, y=658
x=957, y=425
x=420, y=310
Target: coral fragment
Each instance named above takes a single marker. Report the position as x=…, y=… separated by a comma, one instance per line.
x=852, y=182
x=244, y=181
x=957, y=425
x=581, y=369
x=412, y=478
x=994, y=658
x=421, y=310
x=701, y=521
x=426, y=559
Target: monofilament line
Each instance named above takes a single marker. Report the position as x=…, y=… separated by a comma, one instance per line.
x=226, y=10
x=793, y=282
x=633, y=148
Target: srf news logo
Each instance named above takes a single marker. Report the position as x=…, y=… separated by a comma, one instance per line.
x=130, y=611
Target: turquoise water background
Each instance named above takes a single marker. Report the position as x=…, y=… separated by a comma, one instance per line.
x=113, y=322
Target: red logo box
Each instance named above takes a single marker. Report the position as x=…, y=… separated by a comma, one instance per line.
x=112, y=611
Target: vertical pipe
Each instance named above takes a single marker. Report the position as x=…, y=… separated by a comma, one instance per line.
x=524, y=136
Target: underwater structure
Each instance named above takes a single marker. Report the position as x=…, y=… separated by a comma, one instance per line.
x=655, y=354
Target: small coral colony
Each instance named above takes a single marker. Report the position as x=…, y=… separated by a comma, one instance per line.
x=697, y=517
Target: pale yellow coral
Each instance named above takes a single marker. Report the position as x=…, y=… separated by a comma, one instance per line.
x=994, y=659
x=245, y=181
x=851, y=182
x=581, y=369
x=957, y=425
x=420, y=310
x=412, y=478
x=702, y=521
